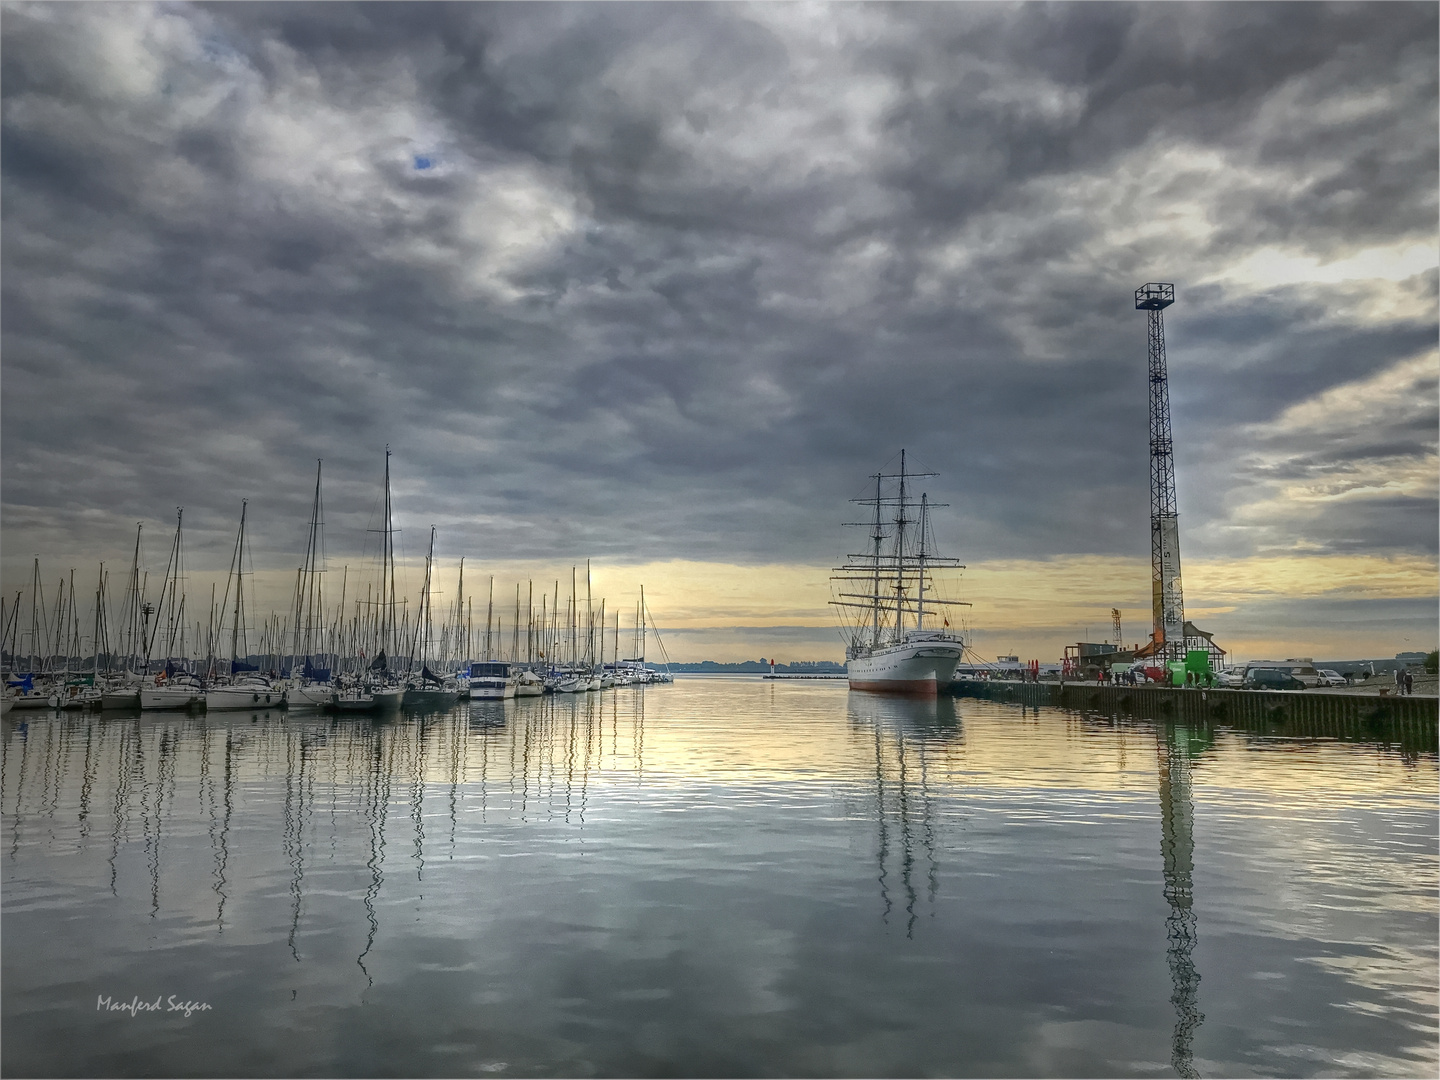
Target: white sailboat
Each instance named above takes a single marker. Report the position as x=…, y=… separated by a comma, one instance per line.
x=173, y=687
x=309, y=685
x=246, y=688
x=426, y=689
x=375, y=690
x=890, y=647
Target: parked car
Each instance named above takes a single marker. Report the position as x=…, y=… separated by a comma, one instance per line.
x=1269, y=678
x=1231, y=677
x=1301, y=670
x=1329, y=677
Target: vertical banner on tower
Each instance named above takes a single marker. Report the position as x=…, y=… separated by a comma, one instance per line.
x=1172, y=602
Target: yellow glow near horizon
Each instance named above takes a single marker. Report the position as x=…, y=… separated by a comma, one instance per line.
x=1033, y=607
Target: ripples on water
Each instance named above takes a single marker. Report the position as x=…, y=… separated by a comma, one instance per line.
x=719, y=877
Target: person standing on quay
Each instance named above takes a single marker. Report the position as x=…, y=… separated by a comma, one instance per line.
x=1409, y=684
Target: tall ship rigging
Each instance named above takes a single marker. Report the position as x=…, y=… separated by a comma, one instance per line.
x=899, y=638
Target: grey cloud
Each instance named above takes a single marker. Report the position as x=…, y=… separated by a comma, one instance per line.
x=754, y=300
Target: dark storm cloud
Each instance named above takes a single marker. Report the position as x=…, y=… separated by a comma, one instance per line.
x=653, y=281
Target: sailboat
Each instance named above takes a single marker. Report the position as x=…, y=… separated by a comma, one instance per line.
x=122, y=689
x=173, y=687
x=32, y=690
x=890, y=648
x=428, y=690
x=373, y=690
x=247, y=688
x=309, y=685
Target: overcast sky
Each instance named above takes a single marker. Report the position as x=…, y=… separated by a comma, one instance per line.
x=646, y=283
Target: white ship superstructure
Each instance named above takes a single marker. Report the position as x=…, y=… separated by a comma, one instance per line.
x=886, y=594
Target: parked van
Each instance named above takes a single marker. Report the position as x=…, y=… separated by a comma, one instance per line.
x=1302, y=671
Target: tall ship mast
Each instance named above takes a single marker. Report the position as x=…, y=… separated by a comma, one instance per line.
x=899, y=638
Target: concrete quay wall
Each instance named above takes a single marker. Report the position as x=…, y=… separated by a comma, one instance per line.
x=1413, y=720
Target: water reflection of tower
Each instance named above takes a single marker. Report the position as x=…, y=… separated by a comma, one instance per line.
x=1177, y=846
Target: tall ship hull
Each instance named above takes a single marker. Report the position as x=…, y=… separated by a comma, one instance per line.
x=916, y=667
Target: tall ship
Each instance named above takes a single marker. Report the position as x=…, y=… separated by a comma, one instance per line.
x=897, y=626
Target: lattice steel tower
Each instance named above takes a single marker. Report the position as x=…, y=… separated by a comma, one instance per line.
x=1167, y=598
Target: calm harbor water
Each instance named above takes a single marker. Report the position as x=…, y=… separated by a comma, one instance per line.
x=720, y=877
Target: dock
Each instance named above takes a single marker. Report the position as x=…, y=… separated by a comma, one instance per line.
x=1413, y=721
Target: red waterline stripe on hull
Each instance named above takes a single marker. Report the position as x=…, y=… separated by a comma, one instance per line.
x=922, y=687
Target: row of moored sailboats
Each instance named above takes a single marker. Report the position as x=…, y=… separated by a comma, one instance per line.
x=359, y=656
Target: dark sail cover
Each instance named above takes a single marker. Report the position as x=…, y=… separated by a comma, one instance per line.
x=378, y=664
x=237, y=666
x=25, y=684
x=316, y=674
x=428, y=675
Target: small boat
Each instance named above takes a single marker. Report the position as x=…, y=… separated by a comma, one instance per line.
x=309, y=694
x=78, y=695
x=179, y=690
x=429, y=691
x=25, y=693
x=249, y=690
x=529, y=684
x=371, y=699
x=571, y=682
x=121, y=694
x=492, y=679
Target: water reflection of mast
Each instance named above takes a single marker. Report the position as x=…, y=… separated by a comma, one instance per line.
x=222, y=841
x=87, y=778
x=122, y=799
x=454, y=734
x=164, y=777
x=23, y=730
x=1177, y=846
x=417, y=800
x=379, y=800
x=914, y=723
x=294, y=793
x=880, y=814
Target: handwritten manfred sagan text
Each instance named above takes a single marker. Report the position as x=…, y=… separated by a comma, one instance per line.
x=105, y=1003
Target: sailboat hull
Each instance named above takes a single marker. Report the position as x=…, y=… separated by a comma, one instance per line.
x=242, y=697
x=171, y=697
x=310, y=696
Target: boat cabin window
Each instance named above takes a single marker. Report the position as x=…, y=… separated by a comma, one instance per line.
x=489, y=671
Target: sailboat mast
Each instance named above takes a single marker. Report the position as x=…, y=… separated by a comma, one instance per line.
x=239, y=581
x=877, y=537
x=422, y=621
x=387, y=570
x=920, y=565
x=489, y=621
x=900, y=522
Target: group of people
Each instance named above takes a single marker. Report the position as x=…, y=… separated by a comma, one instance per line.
x=1404, y=682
